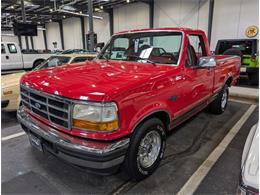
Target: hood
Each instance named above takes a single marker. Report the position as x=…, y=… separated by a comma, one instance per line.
x=250, y=171
x=94, y=80
x=11, y=79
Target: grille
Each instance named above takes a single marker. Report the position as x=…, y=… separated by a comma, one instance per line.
x=54, y=109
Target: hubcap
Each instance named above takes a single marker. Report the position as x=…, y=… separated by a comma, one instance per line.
x=149, y=149
x=224, y=100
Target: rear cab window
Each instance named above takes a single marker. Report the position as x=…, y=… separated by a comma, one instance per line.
x=12, y=48
x=2, y=49
x=247, y=47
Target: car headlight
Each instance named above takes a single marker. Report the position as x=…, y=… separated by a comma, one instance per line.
x=95, y=116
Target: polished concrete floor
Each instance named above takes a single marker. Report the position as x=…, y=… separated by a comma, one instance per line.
x=26, y=171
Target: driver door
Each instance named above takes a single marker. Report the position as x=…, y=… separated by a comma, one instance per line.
x=199, y=82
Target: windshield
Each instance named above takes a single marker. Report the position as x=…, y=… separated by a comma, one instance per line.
x=53, y=61
x=155, y=47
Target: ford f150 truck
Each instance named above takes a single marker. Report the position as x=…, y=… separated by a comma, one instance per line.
x=115, y=111
x=12, y=57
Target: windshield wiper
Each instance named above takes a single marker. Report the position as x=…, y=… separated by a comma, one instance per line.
x=140, y=58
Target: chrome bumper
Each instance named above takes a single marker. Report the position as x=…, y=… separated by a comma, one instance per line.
x=95, y=155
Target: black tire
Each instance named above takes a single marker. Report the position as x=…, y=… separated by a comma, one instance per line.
x=36, y=63
x=132, y=166
x=253, y=79
x=216, y=107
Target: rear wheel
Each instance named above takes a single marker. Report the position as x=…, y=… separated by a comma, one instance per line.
x=36, y=63
x=219, y=105
x=146, y=149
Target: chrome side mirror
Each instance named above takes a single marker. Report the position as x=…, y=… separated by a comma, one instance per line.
x=207, y=62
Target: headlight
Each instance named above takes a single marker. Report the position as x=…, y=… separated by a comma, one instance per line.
x=95, y=116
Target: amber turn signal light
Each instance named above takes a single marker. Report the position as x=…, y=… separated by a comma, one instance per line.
x=95, y=126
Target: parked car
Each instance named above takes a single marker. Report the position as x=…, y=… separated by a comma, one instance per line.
x=10, y=83
x=116, y=110
x=247, y=49
x=13, y=59
x=249, y=179
x=76, y=51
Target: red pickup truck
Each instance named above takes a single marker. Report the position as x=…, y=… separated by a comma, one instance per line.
x=115, y=111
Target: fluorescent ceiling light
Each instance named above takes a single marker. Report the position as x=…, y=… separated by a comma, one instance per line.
x=78, y=14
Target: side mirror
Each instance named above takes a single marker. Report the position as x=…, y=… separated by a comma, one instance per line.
x=207, y=62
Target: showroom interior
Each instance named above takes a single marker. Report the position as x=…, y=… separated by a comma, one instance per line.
x=130, y=97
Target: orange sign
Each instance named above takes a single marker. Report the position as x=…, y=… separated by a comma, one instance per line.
x=251, y=31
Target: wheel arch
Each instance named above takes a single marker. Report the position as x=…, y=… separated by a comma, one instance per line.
x=37, y=60
x=229, y=81
x=163, y=115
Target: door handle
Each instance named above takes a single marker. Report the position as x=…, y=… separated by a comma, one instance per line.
x=7, y=57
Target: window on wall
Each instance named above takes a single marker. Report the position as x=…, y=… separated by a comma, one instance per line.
x=12, y=48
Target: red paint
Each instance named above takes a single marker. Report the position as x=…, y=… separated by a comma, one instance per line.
x=137, y=88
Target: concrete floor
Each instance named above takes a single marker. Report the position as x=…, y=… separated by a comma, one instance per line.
x=26, y=171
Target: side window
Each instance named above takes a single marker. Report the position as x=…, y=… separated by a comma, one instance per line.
x=2, y=49
x=197, y=43
x=79, y=59
x=12, y=48
x=195, y=50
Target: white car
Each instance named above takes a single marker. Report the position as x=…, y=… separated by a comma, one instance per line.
x=249, y=180
x=12, y=58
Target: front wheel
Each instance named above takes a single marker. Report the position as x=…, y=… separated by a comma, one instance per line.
x=146, y=149
x=219, y=105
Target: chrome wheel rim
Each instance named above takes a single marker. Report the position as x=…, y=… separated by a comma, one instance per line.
x=149, y=149
x=224, y=100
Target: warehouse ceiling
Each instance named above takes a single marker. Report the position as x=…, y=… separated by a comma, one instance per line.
x=43, y=11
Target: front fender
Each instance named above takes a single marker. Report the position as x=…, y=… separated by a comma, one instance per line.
x=146, y=112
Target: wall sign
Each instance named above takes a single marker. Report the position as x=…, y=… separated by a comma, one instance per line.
x=251, y=31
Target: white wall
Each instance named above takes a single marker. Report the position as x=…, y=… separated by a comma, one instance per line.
x=38, y=41
x=53, y=35
x=8, y=36
x=132, y=16
x=181, y=13
x=230, y=20
x=72, y=33
x=232, y=17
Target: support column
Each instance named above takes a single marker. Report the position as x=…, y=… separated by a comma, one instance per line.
x=32, y=44
x=91, y=27
x=111, y=21
x=24, y=20
x=45, y=38
x=151, y=13
x=211, y=10
x=83, y=32
x=20, y=42
x=61, y=34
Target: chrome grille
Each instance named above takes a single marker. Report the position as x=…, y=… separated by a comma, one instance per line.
x=54, y=109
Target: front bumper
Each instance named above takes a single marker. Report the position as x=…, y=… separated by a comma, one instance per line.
x=96, y=156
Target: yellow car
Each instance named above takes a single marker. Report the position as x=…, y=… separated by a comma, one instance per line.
x=10, y=99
